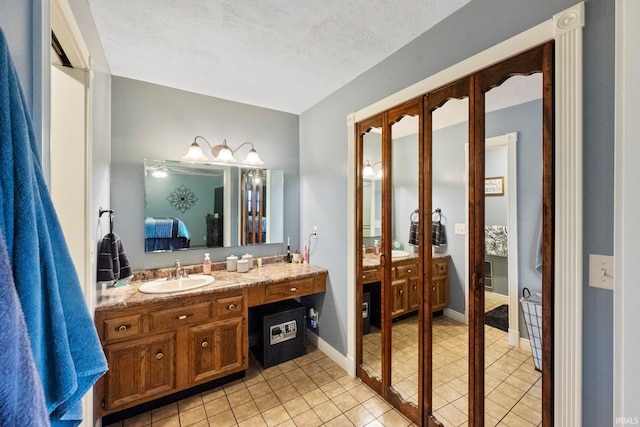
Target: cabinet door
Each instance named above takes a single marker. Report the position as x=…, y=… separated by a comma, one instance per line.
x=413, y=299
x=216, y=349
x=139, y=370
x=399, y=301
x=439, y=294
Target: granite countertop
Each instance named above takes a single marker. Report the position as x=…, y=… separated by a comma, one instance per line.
x=370, y=260
x=129, y=296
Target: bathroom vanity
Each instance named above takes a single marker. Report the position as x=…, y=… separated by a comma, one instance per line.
x=405, y=281
x=160, y=344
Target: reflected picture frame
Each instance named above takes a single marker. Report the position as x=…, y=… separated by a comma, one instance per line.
x=494, y=186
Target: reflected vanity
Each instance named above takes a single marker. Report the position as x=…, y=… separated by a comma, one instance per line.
x=204, y=205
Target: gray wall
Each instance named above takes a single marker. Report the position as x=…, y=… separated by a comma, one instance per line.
x=323, y=159
x=157, y=122
x=496, y=161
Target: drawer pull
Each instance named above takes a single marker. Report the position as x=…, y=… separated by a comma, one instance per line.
x=159, y=355
x=400, y=291
x=231, y=307
x=434, y=288
x=183, y=316
x=293, y=289
x=123, y=328
x=364, y=276
x=415, y=287
x=409, y=270
x=204, y=344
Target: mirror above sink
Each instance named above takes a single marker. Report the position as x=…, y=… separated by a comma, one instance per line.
x=204, y=205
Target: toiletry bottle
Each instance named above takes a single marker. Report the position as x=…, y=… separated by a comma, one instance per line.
x=288, y=251
x=376, y=247
x=206, y=264
x=306, y=254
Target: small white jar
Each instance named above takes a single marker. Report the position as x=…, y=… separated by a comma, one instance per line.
x=249, y=258
x=243, y=266
x=232, y=262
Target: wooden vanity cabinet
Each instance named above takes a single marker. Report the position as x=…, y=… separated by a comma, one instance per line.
x=440, y=282
x=404, y=287
x=158, y=349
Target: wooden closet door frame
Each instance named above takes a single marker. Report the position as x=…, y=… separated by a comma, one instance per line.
x=432, y=101
x=537, y=60
x=362, y=128
x=409, y=108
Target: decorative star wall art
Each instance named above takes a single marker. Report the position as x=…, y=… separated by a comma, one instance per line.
x=182, y=199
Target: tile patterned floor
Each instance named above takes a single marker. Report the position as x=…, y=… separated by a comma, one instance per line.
x=309, y=391
x=511, y=383
x=313, y=391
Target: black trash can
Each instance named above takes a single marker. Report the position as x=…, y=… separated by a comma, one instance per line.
x=277, y=332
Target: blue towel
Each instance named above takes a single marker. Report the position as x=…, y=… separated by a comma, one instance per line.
x=21, y=394
x=64, y=342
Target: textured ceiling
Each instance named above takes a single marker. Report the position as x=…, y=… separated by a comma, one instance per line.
x=281, y=55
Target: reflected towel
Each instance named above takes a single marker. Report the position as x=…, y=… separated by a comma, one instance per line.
x=438, y=234
x=64, y=341
x=413, y=233
x=113, y=264
x=21, y=394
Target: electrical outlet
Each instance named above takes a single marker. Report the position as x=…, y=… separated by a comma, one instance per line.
x=314, y=231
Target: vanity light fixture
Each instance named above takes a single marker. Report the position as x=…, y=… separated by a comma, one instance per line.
x=368, y=172
x=221, y=153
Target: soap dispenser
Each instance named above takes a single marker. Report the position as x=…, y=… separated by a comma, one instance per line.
x=206, y=264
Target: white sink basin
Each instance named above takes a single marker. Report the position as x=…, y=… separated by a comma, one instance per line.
x=164, y=286
x=395, y=253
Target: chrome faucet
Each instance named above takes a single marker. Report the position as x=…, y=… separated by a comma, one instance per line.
x=177, y=270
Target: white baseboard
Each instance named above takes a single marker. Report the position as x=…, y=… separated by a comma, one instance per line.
x=345, y=362
x=455, y=315
x=514, y=338
x=525, y=344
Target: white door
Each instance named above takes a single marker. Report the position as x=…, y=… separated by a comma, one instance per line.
x=68, y=159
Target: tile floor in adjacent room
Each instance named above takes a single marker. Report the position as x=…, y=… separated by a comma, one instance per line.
x=309, y=391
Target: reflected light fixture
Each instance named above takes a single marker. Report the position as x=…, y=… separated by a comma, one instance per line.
x=160, y=172
x=368, y=172
x=221, y=153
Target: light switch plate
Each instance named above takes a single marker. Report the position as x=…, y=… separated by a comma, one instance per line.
x=601, y=271
x=460, y=228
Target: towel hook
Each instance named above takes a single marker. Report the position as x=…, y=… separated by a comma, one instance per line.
x=439, y=212
x=110, y=212
x=416, y=212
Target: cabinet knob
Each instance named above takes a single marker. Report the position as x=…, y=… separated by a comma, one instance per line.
x=293, y=289
x=123, y=328
x=434, y=288
x=409, y=270
x=364, y=276
x=183, y=316
x=231, y=307
x=415, y=287
x=400, y=291
x=159, y=355
x=204, y=344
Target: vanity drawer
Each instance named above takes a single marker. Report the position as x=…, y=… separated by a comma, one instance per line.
x=370, y=275
x=122, y=327
x=290, y=289
x=440, y=267
x=407, y=270
x=177, y=316
x=229, y=307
